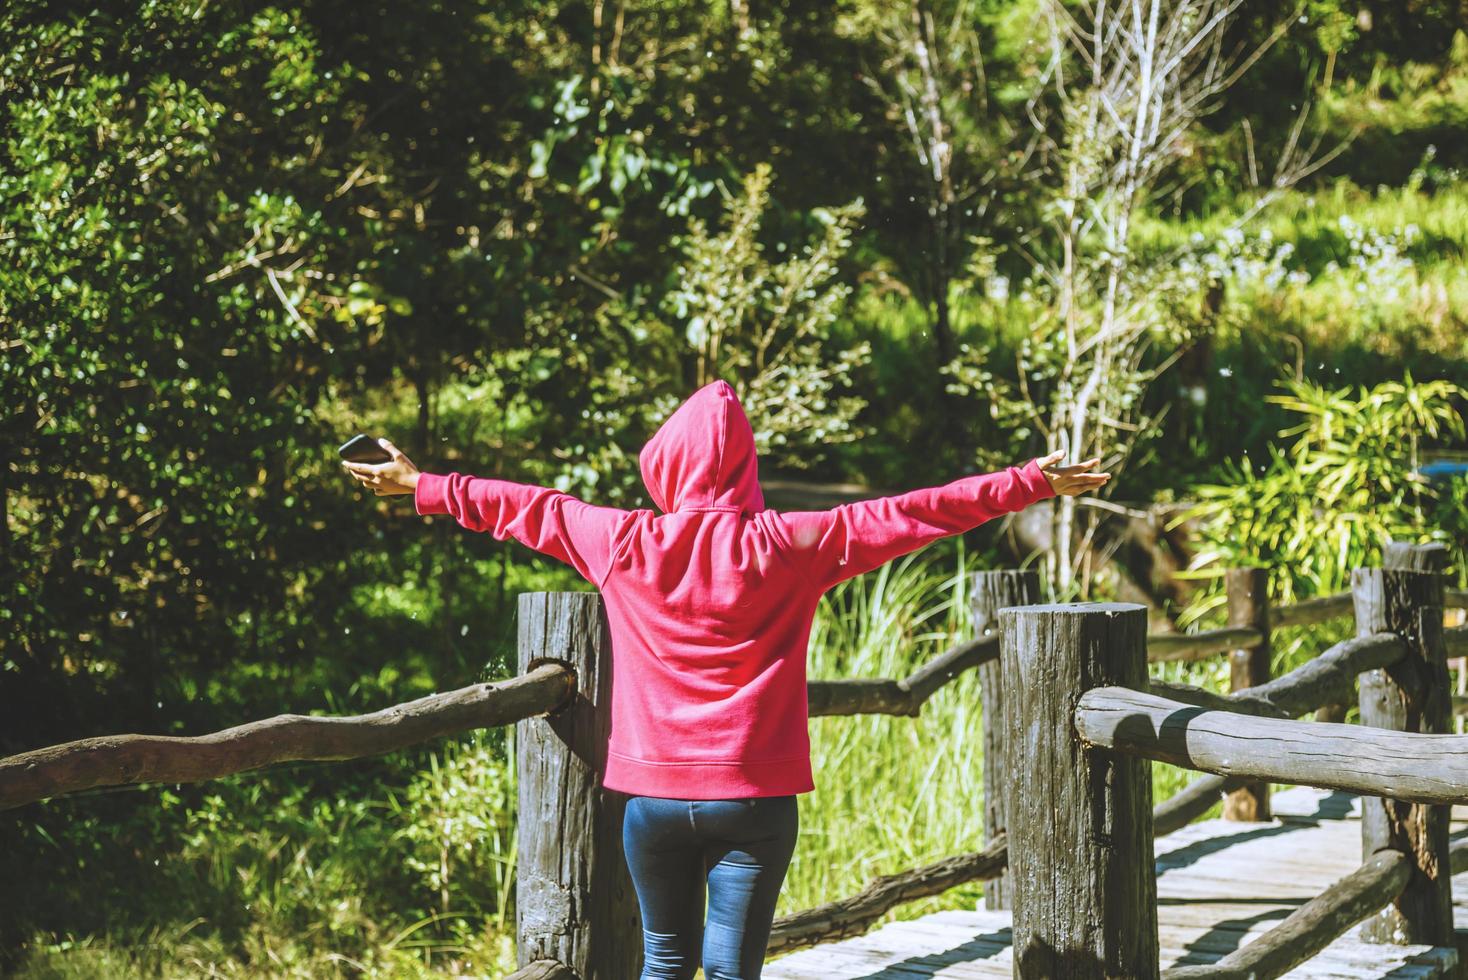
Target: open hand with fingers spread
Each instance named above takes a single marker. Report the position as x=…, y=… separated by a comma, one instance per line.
x=1071, y=480
x=397, y=475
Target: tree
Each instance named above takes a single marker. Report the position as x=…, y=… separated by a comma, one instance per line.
x=1127, y=85
x=763, y=324
x=962, y=143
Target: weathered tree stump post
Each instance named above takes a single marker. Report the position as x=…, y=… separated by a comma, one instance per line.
x=989, y=592
x=574, y=900
x=1080, y=820
x=1406, y=597
x=1248, y=605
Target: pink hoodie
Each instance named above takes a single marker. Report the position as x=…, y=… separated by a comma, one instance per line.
x=710, y=603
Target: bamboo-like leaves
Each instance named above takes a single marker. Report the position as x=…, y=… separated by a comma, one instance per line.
x=1326, y=502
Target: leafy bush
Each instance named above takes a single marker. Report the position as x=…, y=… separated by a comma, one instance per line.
x=394, y=867
x=1330, y=500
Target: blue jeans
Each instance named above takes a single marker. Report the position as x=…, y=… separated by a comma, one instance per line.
x=740, y=849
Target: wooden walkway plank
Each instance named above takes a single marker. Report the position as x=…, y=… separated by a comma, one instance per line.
x=1220, y=885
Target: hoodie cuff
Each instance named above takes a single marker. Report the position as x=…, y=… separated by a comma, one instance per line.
x=430, y=496
x=1034, y=479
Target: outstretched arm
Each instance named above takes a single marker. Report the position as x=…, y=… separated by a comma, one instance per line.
x=853, y=538
x=558, y=524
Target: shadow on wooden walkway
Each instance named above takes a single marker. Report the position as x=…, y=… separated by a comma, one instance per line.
x=1219, y=886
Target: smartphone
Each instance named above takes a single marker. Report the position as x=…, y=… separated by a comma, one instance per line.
x=363, y=449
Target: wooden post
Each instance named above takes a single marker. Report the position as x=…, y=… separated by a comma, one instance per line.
x=1080, y=820
x=1412, y=695
x=1248, y=605
x=990, y=592
x=574, y=900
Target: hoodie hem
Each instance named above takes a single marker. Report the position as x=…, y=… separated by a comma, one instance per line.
x=708, y=780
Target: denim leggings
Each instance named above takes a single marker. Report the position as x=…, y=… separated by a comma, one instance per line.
x=739, y=848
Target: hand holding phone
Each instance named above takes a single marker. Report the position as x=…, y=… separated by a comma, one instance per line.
x=379, y=465
x=363, y=449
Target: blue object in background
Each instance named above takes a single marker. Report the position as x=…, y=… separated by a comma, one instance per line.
x=1443, y=470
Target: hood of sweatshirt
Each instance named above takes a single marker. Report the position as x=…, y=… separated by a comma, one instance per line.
x=702, y=456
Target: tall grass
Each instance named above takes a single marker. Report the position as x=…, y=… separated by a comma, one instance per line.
x=890, y=792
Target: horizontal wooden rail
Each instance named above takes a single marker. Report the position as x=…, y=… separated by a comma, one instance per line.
x=1164, y=647
x=931, y=676
x=112, y=760
x=1327, y=679
x=1430, y=769
x=1311, y=927
x=859, y=696
x=1200, y=697
x=1191, y=802
x=905, y=696
x=1310, y=611
x=544, y=970
x=856, y=915
x=1335, y=606
x=1198, y=646
x=1455, y=640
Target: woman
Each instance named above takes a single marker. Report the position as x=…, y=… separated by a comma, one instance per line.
x=710, y=605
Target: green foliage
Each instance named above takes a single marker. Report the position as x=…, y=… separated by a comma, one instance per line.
x=1341, y=271
x=763, y=323
x=1328, y=502
x=283, y=873
x=459, y=825
x=232, y=234
x=164, y=351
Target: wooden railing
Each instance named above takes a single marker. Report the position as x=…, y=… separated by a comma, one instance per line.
x=1094, y=723
x=1100, y=718
x=115, y=760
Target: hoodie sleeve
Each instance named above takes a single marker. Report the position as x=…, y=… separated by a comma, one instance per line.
x=853, y=538
x=558, y=524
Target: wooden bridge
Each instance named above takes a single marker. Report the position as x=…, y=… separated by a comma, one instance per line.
x=1083, y=878
x=1268, y=891
x=1220, y=885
